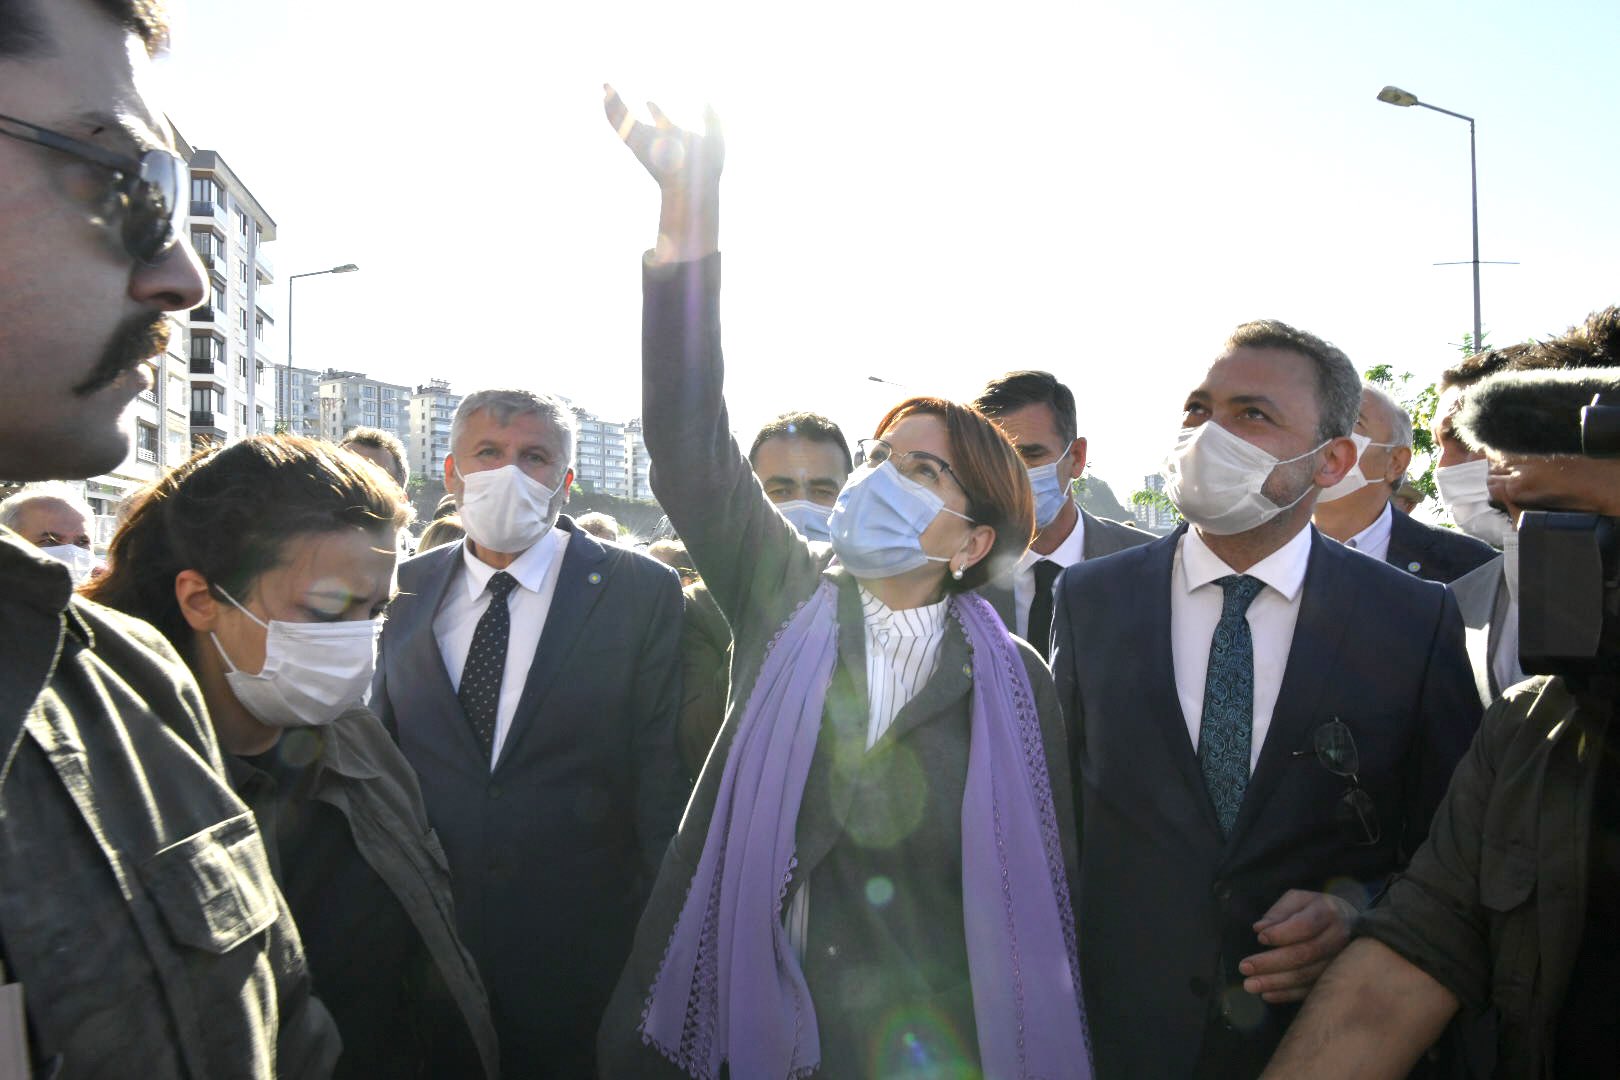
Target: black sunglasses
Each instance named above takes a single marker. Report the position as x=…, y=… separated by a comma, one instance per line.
x=145, y=203
x=1335, y=749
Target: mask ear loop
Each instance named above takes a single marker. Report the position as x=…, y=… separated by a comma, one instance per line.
x=223, y=655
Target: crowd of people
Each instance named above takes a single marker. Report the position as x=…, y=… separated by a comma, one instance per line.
x=896, y=763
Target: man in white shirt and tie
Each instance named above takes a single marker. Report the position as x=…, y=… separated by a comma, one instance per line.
x=1038, y=414
x=531, y=675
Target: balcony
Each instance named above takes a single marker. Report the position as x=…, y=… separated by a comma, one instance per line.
x=206, y=421
x=205, y=210
x=265, y=265
x=204, y=365
x=204, y=314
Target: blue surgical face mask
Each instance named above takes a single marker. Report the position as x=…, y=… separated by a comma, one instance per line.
x=878, y=522
x=1051, y=492
x=808, y=517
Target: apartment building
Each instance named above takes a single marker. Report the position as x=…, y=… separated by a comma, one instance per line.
x=350, y=399
x=603, y=458
x=298, y=400
x=432, y=408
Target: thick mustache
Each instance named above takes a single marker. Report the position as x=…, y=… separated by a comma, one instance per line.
x=137, y=339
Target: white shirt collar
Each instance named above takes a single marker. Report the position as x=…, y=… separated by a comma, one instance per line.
x=529, y=569
x=1283, y=570
x=1069, y=552
x=1374, y=537
x=913, y=622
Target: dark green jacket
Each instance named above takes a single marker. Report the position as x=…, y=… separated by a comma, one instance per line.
x=364, y=776
x=1493, y=904
x=138, y=909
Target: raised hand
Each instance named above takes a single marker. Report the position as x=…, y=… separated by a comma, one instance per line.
x=687, y=166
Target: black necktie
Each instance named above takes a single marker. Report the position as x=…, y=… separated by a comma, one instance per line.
x=1040, y=609
x=480, y=691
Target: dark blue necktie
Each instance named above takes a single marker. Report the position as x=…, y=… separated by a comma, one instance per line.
x=480, y=691
x=1225, y=730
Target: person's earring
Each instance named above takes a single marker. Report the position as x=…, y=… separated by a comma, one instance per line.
x=958, y=572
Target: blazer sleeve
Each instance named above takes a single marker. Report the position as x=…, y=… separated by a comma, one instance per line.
x=754, y=563
x=1450, y=710
x=661, y=787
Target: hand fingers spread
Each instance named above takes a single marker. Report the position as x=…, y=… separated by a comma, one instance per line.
x=664, y=123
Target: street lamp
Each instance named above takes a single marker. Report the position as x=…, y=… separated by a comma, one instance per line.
x=1394, y=95
x=285, y=391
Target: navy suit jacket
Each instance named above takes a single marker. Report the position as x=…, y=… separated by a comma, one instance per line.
x=1165, y=903
x=1433, y=553
x=553, y=850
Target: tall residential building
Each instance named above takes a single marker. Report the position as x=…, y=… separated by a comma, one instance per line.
x=1154, y=518
x=349, y=399
x=432, y=407
x=210, y=383
x=231, y=389
x=640, y=463
x=602, y=461
x=298, y=400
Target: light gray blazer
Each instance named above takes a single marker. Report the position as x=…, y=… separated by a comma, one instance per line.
x=1101, y=537
x=1482, y=596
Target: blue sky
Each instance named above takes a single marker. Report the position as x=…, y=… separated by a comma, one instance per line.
x=930, y=193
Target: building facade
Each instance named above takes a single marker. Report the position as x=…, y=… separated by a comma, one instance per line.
x=298, y=400
x=604, y=456
x=432, y=408
x=1154, y=518
x=351, y=399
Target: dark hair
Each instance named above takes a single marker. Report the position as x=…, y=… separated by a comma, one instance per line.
x=1020, y=389
x=991, y=473
x=1594, y=343
x=228, y=514
x=803, y=425
x=378, y=439
x=22, y=31
x=1338, y=387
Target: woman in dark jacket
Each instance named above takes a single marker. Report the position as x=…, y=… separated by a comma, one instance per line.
x=871, y=877
x=268, y=564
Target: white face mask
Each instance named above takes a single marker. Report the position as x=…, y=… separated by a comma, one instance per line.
x=80, y=560
x=810, y=518
x=1215, y=478
x=505, y=509
x=1466, y=497
x=1355, y=479
x=313, y=672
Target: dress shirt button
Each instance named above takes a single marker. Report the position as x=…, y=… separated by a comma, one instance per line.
x=1223, y=891
x=832, y=952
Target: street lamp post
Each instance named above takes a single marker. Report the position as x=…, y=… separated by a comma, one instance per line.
x=1394, y=95
x=284, y=392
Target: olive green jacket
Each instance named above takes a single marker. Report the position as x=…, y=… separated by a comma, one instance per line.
x=1494, y=902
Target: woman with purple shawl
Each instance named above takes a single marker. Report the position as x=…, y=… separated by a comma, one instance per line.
x=871, y=878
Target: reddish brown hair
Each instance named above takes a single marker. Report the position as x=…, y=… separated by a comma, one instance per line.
x=991, y=473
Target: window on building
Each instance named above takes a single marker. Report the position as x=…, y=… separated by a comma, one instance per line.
x=241, y=223
x=207, y=399
x=241, y=272
x=202, y=346
x=202, y=241
x=241, y=317
x=258, y=325
x=368, y=391
x=202, y=190
x=241, y=415
x=258, y=418
x=219, y=297
x=242, y=366
x=146, y=441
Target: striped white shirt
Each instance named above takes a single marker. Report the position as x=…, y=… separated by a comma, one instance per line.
x=902, y=650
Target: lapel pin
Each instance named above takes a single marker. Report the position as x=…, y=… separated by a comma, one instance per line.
x=1414, y=566
x=594, y=577
x=967, y=669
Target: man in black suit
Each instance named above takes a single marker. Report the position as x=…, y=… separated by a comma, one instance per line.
x=1262, y=723
x=531, y=675
x=1038, y=414
x=1357, y=511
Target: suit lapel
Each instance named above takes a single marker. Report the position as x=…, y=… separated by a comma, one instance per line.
x=1325, y=610
x=421, y=650
x=580, y=583
x=1093, y=542
x=1161, y=702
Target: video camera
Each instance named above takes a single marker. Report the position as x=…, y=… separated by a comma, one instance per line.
x=1569, y=572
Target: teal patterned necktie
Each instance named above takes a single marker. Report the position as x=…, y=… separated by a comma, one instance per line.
x=1226, y=728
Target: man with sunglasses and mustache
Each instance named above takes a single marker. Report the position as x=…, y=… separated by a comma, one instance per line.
x=141, y=932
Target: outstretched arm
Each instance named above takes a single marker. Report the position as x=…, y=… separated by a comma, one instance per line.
x=1372, y=1015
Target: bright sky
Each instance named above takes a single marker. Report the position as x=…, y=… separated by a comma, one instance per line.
x=931, y=193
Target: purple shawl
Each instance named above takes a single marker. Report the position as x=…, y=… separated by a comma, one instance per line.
x=730, y=988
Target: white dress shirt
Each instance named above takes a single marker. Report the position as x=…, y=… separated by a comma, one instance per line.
x=1195, y=609
x=465, y=602
x=1069, y=552
x=902, y=651
x=1374, y=539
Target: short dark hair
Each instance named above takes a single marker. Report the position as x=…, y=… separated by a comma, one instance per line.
x=378, y=439
x=1020, y=389
x=22, y=32
x=228, y=514
x=1594, y=343
x=1338, y=386
x=803, y=425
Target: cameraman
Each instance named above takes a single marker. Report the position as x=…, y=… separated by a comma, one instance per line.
x=1514, y=900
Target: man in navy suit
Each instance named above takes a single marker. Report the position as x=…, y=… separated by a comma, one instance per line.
x=1262, y=723
x=1358, y=513
x=531, y=675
